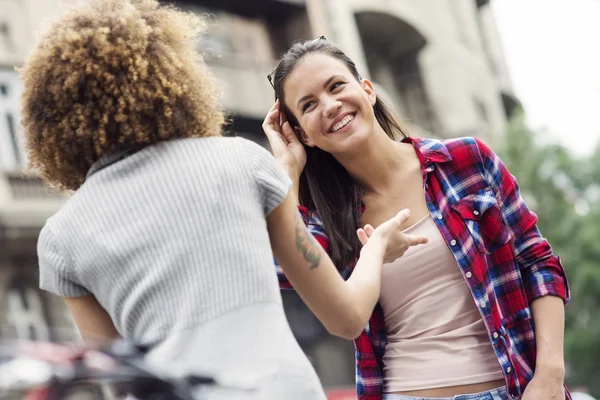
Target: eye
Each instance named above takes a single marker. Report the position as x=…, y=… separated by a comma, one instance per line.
x=306, y=105
x=336, y=85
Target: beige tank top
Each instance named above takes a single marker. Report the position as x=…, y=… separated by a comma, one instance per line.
x=435, y=334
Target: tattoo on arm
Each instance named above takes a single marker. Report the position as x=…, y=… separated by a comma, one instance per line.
x=306, y=244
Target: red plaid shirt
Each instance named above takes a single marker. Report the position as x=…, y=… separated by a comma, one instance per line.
x=493, y=236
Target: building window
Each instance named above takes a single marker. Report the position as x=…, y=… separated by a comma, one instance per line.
x=392, y=49
x=12, y=155
x=413, y=97
x=5, y=37
x=10, y=121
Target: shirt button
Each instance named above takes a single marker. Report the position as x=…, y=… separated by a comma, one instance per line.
x=508, y=370
x=495, y=335
x=476, y=212
x=469, y=275
x=482, y=305
x=453, y=242
x=439, y=216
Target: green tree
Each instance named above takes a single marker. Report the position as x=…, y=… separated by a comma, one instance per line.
x=564, y=191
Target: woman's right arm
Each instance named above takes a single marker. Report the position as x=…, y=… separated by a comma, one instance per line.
x=315, y=227
x=344, y=307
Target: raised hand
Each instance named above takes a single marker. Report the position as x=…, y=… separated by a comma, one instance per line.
x=286, y=146
x=390, y=234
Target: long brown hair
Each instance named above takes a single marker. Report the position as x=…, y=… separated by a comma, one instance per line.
x=325, y=185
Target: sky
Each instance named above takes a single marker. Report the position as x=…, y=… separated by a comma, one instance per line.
x=552, y=50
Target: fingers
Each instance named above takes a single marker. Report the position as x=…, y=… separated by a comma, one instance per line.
x=286, y=128
x=365, y=233
x=289, y=133
x=414, y=240
x=362, y=236
x=402, y=216
x=397, y=221
x=272, y=130
x=271, y=112
x=275, y=106
x=272, y=119
x=268, y=122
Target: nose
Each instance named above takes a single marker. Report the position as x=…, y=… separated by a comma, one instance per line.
x=331, y=106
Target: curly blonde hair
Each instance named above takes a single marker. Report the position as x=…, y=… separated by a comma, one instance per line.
x=112, y=73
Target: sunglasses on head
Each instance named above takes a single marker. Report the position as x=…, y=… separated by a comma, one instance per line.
x=270, y=76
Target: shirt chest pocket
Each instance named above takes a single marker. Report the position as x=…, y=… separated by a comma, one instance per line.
x=483, y=218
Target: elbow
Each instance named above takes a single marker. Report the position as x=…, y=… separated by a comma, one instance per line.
x=348, y=328
x=348, y=333
x=350, y=322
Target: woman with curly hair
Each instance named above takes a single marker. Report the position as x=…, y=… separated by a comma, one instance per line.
x=168, y=238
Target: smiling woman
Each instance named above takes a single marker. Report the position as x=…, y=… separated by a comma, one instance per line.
x=485, y=258
x=323, y=178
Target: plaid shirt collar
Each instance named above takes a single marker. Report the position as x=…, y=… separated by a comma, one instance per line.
x=429, y=151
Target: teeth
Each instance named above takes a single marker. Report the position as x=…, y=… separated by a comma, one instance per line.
x=342, y=123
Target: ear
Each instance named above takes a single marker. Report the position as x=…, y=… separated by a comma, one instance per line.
x=370, y=90
x=304, y=138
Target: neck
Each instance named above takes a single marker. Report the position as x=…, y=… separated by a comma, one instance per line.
x=376, y=164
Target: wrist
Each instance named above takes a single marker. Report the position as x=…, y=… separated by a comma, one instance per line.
x=376, y=246
x=550, y=370
x=292, y=172
x=295, y=178
x=549, y=360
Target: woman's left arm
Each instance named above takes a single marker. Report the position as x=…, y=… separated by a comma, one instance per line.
x=543, y=276
x=548, y=378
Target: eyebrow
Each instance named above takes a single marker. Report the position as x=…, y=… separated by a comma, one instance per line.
x=327, y=82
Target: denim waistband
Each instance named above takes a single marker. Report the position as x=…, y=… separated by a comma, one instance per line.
x=494, y=394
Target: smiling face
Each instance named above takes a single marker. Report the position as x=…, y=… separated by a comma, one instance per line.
x=333, y=109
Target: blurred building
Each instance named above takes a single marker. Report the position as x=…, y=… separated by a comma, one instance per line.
x=25, y=204
x=441, y=63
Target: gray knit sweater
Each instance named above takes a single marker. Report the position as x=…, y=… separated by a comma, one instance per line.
x=172, y=241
